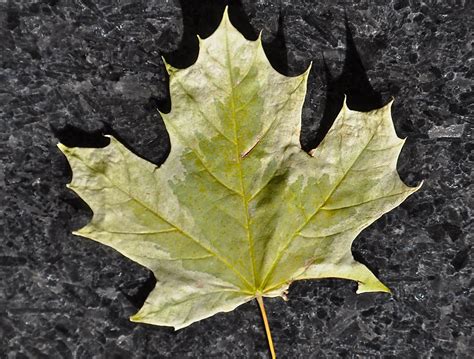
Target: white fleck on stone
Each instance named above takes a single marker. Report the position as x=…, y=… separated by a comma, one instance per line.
x=453, y=131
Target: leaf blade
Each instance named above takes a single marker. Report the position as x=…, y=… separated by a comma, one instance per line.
x=238, y=210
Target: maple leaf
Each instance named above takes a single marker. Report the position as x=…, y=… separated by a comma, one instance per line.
x=239, y=211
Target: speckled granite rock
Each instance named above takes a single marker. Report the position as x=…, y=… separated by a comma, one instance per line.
x=73, y=69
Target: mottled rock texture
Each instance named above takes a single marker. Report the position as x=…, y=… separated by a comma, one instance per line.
x=71, y=70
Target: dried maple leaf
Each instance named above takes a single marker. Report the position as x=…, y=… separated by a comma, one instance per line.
x=238, y=210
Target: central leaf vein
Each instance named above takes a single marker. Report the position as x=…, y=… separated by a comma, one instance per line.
x=238, y=157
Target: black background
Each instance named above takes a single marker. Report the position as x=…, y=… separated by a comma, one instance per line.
x=74, y=70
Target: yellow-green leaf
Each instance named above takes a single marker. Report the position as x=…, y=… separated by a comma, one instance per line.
x=238, y=210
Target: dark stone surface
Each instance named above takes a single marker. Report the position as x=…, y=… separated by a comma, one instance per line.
x=73, y=69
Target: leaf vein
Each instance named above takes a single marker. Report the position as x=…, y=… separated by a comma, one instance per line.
x=158, y=215
x=295, y=234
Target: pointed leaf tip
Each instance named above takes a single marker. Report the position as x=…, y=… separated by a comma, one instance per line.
x=61, y=147
x=344, y=103
x=372, y=287
x=308, y=70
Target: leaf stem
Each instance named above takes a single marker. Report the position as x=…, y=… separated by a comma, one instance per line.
x=267, y=326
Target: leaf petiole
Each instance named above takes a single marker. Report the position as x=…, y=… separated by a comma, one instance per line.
x=267, y=326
